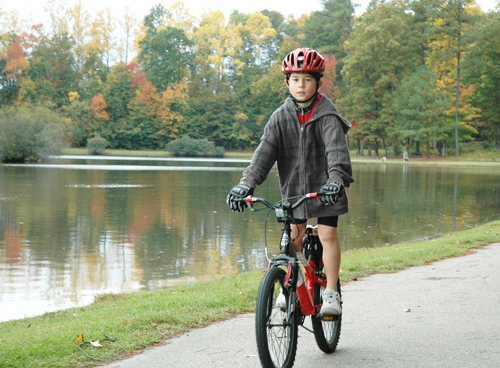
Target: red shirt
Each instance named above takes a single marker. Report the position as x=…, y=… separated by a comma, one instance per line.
x=306, y=113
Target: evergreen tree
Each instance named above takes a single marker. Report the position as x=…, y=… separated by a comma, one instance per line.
x=419, y=108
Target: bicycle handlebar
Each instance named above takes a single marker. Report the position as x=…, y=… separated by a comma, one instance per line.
x=253, y=200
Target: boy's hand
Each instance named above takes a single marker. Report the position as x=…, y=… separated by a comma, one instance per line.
x=240, y=191
x=331, y=192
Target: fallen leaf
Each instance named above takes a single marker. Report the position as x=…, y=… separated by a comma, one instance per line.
x=95, y=344
x=407, y=310
x=457, y=241
x=79, y=339
x=124, y=319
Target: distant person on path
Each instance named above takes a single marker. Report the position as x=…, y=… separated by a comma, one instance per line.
x=306, y=136
x=405, y=156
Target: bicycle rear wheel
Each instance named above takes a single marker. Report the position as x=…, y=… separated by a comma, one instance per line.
x=326, y=332
x=275, y=328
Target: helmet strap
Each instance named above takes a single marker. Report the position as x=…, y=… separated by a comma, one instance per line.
x=310, y=101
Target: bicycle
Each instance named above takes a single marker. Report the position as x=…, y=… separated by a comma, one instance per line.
x=285, y=297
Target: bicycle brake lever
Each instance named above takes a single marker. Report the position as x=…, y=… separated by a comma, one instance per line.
x=249, y=201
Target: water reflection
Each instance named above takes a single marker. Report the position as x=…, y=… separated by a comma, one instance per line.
x=76, y=229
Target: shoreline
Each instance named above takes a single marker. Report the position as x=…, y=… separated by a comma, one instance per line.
x=422, y=161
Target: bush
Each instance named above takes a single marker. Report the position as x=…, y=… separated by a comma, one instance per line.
x=29, y=133
x=189, y=147
x=97, y=145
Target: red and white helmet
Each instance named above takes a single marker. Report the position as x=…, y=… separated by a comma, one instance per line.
x=303, y=60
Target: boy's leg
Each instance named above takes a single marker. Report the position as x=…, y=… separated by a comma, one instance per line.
x=329, y=237
x=298, y=232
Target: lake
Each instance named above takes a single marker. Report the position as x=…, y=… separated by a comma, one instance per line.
x=80, y=226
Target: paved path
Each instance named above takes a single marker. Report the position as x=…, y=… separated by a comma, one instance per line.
x=453, y=321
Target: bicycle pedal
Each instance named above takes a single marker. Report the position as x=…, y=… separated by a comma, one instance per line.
x=329, y=318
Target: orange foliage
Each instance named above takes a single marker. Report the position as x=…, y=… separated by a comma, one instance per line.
x=98, y=106
x=17, y=63
x=147, y=97
x=13, y=246
x=328, y=88
x=170, y=119
x=138, y=77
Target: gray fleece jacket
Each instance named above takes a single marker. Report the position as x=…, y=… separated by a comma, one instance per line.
x=308, y=156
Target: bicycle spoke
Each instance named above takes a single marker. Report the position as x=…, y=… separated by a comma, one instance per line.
x=277, y=335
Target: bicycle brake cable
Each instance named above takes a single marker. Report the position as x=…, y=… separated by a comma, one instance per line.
x=273, y=207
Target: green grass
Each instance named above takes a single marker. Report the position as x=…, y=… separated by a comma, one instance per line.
x=138, y=320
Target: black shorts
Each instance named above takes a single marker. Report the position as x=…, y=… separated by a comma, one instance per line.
x=331, y=221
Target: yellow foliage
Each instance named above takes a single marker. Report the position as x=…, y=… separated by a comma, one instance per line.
x=301, y=22
x=73, y=96
x=179, y=16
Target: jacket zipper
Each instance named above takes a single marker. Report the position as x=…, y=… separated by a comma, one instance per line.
x=302, y=167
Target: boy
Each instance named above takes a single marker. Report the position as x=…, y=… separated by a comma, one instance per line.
x=306, y=137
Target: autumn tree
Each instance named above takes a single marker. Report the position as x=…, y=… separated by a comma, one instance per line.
x=483, y=72
x=14, y=72
x=60, y=15
x=102, y=35
x=80, y=32
x=128, y=24
x=329, y=88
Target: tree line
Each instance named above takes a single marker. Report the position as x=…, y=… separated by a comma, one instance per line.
x=414, y=74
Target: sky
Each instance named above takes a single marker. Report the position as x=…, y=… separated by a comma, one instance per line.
x=142, y=7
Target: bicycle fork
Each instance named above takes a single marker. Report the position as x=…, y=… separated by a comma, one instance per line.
x=295, y=277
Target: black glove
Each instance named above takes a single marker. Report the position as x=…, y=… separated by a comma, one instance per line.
x=240, y=191
x=331, y=192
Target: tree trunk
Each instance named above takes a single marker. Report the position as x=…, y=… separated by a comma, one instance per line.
x=458, y=96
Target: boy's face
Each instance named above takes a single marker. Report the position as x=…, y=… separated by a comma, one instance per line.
x=302, y=86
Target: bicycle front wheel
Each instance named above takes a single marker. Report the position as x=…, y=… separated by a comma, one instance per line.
x=275, y=327
x=326, y=331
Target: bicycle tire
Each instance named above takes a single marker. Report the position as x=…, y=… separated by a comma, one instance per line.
x=276, y=339
x=327, y=333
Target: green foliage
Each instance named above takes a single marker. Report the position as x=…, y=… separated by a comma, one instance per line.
x=165, y=56
x=382, y=54
x=420, y=106
x=97, y=145
x=483, y=71
x=29, y=133
x=189, y=147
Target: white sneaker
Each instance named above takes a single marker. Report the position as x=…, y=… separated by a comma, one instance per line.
x=331, y=303
x=281, y=300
